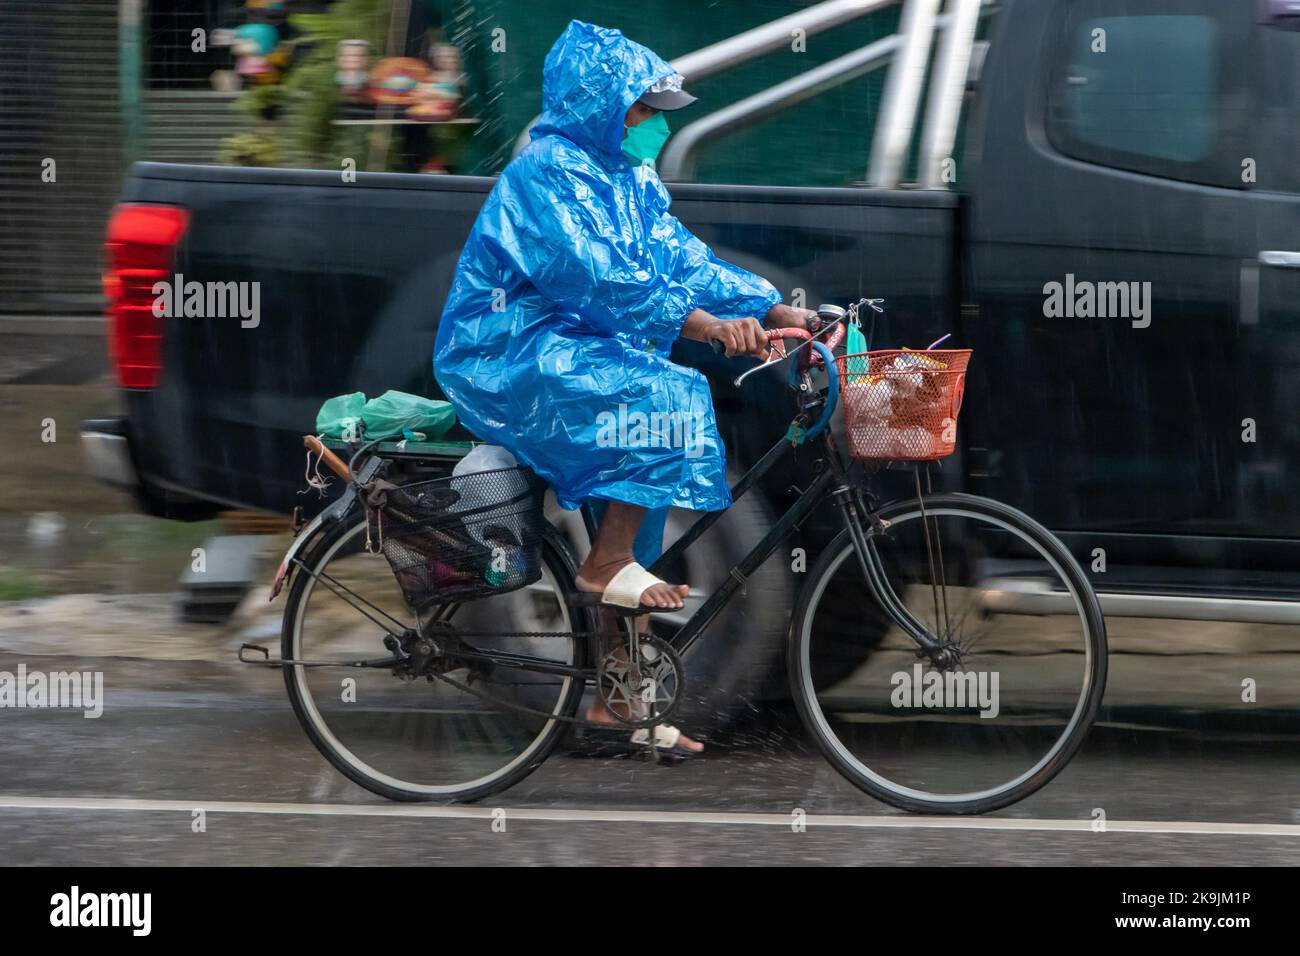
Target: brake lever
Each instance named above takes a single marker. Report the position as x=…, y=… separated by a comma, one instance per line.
x=788, y=354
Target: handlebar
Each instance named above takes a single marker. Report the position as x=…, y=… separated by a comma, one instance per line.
x=818, y=350
x=832, y=341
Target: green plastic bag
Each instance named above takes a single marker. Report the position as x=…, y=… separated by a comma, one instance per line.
x=340, y=417
x=395, y=414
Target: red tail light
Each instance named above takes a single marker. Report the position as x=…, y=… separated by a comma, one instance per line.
x=142, y=242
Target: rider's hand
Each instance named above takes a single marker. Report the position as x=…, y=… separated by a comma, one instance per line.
x=739, y=336
x=787, y=317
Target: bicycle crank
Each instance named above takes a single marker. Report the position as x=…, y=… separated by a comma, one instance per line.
x=640, y=681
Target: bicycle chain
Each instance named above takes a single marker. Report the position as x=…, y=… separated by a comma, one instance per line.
x=435, y=634
x=520, y=708
x=577, y=721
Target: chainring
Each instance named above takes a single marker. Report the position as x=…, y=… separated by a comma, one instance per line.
x=641, y=681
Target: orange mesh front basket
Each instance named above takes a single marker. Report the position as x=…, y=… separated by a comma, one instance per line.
x=901, y=405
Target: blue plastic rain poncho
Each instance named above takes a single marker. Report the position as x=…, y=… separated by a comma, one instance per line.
x=571, y=290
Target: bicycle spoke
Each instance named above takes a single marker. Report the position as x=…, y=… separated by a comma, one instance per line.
x=337, y=588
x=960, y=629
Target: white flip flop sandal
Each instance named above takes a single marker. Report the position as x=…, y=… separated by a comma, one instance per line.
x=623, y=591
x=665, y=740
x=609, y=740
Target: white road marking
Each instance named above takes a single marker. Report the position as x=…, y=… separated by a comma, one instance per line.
x=578, y=815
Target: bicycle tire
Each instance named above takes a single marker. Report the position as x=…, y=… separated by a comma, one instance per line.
x=805, y=694
x=555, y=555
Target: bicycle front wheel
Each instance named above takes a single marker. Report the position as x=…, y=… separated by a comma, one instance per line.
x=1020, y=679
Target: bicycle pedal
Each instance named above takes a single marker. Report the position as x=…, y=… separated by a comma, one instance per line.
x=637, y=612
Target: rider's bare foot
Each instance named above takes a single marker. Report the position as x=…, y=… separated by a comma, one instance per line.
x=594, y=576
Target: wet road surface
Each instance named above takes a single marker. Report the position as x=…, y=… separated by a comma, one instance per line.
x=176, y=737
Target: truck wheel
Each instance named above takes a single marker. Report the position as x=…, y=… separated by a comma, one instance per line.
x=730, y=665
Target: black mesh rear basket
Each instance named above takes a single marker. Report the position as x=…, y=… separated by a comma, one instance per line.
x=464, y=537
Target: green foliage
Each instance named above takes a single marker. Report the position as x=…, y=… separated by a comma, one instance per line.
x=262, y=102
x=295, y=117
x=256, y=148
x=314, y=93
x=16, y=585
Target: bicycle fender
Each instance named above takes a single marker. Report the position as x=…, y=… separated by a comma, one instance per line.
x=832, y=393
x=329, y=515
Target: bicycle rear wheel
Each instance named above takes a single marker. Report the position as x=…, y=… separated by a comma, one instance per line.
x=1020, y=680
x=416, y=738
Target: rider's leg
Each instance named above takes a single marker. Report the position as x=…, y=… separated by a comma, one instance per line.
x=644, y=543
x=612, y=550
x=646, y=546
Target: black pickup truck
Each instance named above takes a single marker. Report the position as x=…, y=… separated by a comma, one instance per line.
x=1121, y=250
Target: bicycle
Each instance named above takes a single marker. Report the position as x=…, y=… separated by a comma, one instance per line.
x=967, y=681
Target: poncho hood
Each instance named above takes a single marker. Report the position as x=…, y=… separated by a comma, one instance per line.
x=591, y=78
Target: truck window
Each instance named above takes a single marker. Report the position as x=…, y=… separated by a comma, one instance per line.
x=1150, y=92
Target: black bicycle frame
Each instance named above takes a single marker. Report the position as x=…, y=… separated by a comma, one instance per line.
x=691, y=631
x=831, y=482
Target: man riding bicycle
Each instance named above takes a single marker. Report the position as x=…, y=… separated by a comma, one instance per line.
x=570, y=292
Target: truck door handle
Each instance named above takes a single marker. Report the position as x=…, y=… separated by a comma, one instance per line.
x=1280, y=260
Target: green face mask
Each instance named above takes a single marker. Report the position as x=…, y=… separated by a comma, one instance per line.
x=643, y=142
